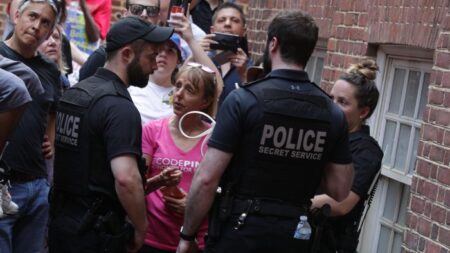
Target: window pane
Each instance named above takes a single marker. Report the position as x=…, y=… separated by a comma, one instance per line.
x=402, y=147
x=383, y=240
x=397, y=88
x=310, y=66
x=412, y=164
x=423, y=95
x=388, y=142
x=411, y=93
x=392, y=200
x=396, y=247
x=318, y=71
x=403, y=206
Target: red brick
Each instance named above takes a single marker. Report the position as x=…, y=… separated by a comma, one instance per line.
x=350, y=19
x=426, y=150
x=435, y=97
x=447, y=198
x=441, y=195
x=411, y=241
x=447, y=157
x=437, y=154
x=445, y=78
x=444, y=236
x=423, y=226
x=423, y=168
x=438, y=213
x=432, y=247
x=427, y=189
x=443, y=118
x=427, y=211
x=433, y=171
x=448, y=217
x=447, y=100
x=443, y=60
x=446, y=139
x=417, y=205
x=444, y=175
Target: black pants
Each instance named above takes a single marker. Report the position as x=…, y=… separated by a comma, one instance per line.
x=63, y=234
x=259, y=234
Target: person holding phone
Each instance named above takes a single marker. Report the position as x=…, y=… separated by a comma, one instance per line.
x=171, y=157
x=228, y=19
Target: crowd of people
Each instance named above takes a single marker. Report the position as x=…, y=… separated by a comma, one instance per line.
x=151, y=135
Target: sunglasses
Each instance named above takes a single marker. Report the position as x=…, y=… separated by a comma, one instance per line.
x=55, y=4
x=201, y=66
x=137, y=9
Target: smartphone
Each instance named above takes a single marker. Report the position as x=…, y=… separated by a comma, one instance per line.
x=222, y=57
x=178, y=6
x=226, y=41
x=172, y=191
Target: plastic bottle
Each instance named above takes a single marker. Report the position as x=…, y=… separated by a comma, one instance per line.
x=303, y=230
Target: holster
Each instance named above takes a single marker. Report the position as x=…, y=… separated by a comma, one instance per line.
x=220, y=212
x=114, y=233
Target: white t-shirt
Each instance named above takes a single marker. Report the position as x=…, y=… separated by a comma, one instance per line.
x=152, y=101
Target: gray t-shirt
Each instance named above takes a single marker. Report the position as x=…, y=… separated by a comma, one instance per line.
x=13, y=92
x=28, y=76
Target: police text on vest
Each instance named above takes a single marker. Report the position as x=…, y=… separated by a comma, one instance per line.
x=291, y=142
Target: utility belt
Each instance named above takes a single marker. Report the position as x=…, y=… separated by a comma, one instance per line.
x=266, y=207
x=99, y=217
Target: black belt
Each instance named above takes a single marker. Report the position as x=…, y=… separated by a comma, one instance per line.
x=269, y=208
x=21, y=177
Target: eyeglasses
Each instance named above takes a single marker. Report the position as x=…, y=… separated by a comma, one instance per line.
x=137, y=9
x=201, y=66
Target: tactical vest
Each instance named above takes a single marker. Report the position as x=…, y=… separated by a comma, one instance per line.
x=81, y=165
x=289, y=148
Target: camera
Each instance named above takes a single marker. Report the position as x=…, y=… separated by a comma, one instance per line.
x=226, y=41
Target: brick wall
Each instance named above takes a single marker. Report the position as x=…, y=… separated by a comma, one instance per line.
x=429, y=217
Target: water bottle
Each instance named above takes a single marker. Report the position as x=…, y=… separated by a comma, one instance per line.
x=303, y=230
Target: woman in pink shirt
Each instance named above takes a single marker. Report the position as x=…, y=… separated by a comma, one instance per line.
x=174, y=158
x=171, y=157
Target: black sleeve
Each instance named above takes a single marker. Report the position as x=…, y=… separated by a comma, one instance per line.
x=366, y=162
x=96, y=60
x=117, y=120
x=229, y=127
x=340, y=153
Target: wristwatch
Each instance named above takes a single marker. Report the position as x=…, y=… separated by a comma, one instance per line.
x=186, y=237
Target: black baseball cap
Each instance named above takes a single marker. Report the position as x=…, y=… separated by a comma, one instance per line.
x=131, y=28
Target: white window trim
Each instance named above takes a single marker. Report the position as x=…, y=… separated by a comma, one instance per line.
x=370, y=233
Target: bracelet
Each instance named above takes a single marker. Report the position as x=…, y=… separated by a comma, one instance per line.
x=186, y=237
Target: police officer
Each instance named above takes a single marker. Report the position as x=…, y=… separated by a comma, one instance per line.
x=275, y=142
x=98, y=174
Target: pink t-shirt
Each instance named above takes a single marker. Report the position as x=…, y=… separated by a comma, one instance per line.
x=164, y=225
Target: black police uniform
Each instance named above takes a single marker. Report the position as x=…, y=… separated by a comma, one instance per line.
x=367, y=156
x=96, y=121
x=282, y=130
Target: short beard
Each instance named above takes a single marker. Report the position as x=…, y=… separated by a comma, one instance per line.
x=136, y=76
x=267, y=62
